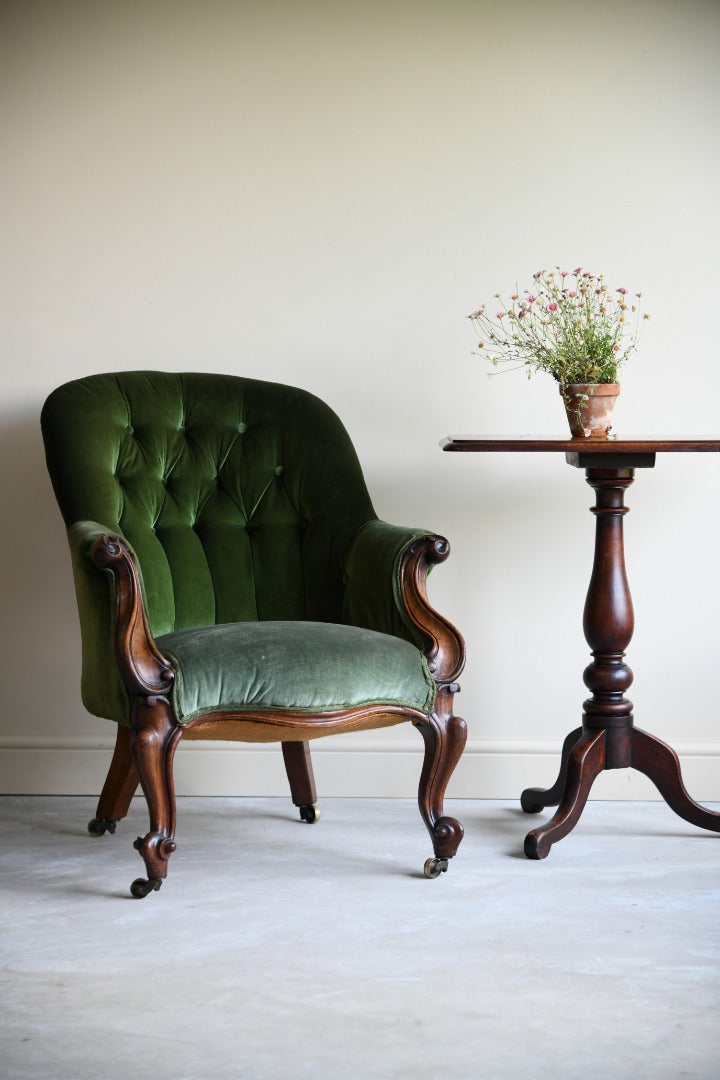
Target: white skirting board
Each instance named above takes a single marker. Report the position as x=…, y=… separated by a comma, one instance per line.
x=344, y=766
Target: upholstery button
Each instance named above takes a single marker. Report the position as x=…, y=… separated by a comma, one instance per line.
x=279, y=470
x=242, y=427
x=130, y=429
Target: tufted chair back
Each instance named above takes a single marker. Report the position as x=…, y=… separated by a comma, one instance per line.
x=239, y=497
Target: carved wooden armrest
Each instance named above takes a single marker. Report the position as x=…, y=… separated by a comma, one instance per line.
x=144, y=670
x=386, y=569
x=443, y=645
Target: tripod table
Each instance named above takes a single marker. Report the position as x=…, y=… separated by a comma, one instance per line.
x=607, y=738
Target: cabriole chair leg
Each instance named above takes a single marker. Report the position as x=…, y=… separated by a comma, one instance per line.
x=120, y=786
x=444, y=736
x=155, y=738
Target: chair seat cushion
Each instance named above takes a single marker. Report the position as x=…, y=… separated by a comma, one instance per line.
x=299, y=666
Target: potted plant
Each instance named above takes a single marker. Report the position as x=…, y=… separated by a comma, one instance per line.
x=571, y=325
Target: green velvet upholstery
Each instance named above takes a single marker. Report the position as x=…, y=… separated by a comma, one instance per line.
x=245, y=504
x=299, y=666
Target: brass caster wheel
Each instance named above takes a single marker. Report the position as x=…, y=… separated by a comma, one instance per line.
x=311, y=814
x=141, y=887
x=99, y=826
x=435, y=867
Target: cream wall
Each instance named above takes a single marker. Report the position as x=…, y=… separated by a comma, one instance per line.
x=318, y=193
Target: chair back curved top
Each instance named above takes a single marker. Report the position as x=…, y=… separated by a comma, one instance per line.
x=239, y=497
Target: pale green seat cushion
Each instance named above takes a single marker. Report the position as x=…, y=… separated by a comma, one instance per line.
x=300, y=666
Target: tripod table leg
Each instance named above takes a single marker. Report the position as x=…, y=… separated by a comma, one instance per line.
x=586, y=762
x=660, y=763
x=533, y=800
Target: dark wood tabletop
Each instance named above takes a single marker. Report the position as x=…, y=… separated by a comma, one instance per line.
x=614, y=444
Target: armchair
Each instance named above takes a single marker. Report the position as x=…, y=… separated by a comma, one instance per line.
x=233, y=582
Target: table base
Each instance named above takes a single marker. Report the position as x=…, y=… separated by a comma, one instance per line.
x=607, y=738
x=586, y=753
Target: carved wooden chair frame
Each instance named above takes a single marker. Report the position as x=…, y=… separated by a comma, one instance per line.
x=145, y=750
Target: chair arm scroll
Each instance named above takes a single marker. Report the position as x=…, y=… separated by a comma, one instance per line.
x=444, y=647
x=143, y=668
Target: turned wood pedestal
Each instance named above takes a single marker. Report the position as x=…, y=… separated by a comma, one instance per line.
x=607, y=738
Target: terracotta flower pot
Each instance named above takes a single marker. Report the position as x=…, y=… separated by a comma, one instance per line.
x=589, y=408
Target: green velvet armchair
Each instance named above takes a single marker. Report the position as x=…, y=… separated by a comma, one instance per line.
x=234, y=582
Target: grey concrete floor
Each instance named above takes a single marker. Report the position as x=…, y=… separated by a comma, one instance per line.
x=281, y=950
